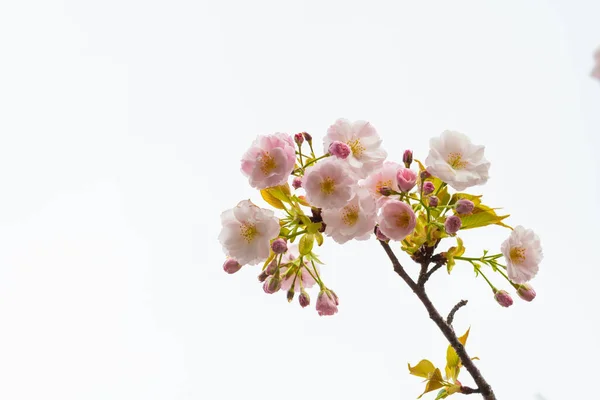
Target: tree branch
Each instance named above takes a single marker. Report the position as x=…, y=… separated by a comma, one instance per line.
x=482, y=385
x=468, y=390
x=458, y=305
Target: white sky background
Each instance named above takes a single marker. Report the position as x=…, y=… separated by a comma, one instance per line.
x=121, y=128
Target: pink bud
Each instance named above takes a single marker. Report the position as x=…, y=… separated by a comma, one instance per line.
x=407, y=179
x=272, y=285
x=385, y=191
x=231, y=266
x=464, y=206
x=526, y=292
x=297, y=183
x=290, y=295
x=503, y=298
x=263, y=276
x=340, y=150
x=380, y=235
x=407, y=158
x=425, y=174
x=326, y=303
x=279, y=246
x=428, y=187
x=304, y=299
x=298, y=138
x=433, y=201
x=307, y=136
x=452, y=224
x=271, y=268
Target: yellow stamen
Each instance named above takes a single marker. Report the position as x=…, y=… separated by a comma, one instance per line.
x=248, y=232
x=356, y=147
x=455, y=161
x=327, y=186
x=350, y=215
x=381, y=184
x=403, y=220
x=517, y=255
x=267, y=163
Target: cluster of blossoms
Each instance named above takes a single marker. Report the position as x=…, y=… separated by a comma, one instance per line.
x=596, y=70
x=352, y=193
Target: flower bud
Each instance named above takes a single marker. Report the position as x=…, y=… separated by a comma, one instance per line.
x=452, y=224
x=326, y=303
x=407, y=179
x=433, y=201
x=231, y=266
x=279, y=246
x=263, y=276
x=290, y=295
x=307, y=136
x=424, y=175
x=464, y=206
x=304, y=299
x=297, y=183
x=272, y=284
x=385, y=191
x=526, y=292
x=271, y=268
x=428, y=187
x=407, y=158
x=380, y=236
x=339, y=149
x=299, y=139
x=503, y=298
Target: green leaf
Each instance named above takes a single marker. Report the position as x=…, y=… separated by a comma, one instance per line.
x=272, y=200
x=482, y=216
x=435, y=382
x=423, y=369
x=442, y=394
x=319, y=237
x=453, y=363
x=306, y=244
x=313, y=227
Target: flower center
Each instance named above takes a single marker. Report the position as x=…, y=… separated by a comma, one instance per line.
x=327, y=186
x=350, y=215
x=517, y=255
x=248, y=231
x=267, y=163
x=455, y=161
x=356, y=147
x=402, y=220
x=381, y=184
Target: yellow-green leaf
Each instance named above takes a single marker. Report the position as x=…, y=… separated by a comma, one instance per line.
x=279, y=192
x=453, y=363
x=463, y=338
x=423, y=369
x=454, y=251
x=306, y=244
x=302, y=200
x=442, y=394
x=434, y=382
x=319, y=237
x=272, y=200
x=481, y=216
x=458, y=196
x=313, y=227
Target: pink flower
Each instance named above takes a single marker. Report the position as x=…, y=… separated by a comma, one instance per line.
x=367, y=155
x=328, y=184
x=327, y=302
x=356, y=220
x=384, y=177
x=464, y=206
x=231, y=266
x=396, y=220
x=297, y=183
x=269, y=161
x=428, y=187
x=340, y=150
x=247, y=231
x=407, y=179
x=292, y=273
x=523, y=253
x=452, y=224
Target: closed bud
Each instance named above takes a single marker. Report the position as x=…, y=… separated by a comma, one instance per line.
x=385, y=191
x=231, y=266
x=304, y=299
x=407, y=158
x=272, y=284
x=503, y=298
x=307, y=136
x=380, y=236
x=279, y=246
x=297, y=183
x=428, y=187
x=299, y=139
x=271, y=268
x=433, y=201
x=407, y=179
x=290, y=295
x=424, y=175
x=263, y=276
x=452, y=224
x=340, y=150
x=464, y=206
x=526, y=292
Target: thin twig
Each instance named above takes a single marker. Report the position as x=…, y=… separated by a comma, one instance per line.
x=458, y=305
x=468, y=390
x=482, y=385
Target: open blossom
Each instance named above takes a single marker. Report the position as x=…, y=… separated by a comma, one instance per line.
x=247, y=231
x=328, y=184
x=269, y=161
x=384, y=177
x=523, y=253
x=327, y=302
x=355, y=220
x=396, y=220
x=365, y=144
x=456, y=161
